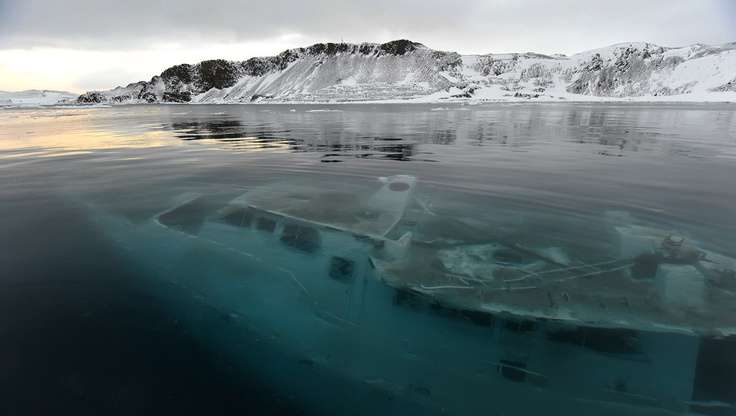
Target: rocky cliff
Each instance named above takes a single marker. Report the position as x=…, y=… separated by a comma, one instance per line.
x=406, y=70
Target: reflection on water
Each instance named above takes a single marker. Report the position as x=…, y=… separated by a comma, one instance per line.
x=505, y=258
x=239, y=136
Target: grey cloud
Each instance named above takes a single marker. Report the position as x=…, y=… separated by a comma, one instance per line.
x=468, y=26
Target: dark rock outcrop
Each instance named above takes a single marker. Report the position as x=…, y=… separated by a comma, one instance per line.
x=91, y=97
x=403, y=69
x=179, y=83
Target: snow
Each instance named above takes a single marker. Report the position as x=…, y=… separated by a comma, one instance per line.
x=342, y=77
x=608, y=52
x=707, y=73
x=34, y=97
x=634, y=71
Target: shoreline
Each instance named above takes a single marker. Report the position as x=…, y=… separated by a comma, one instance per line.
x=730, y=99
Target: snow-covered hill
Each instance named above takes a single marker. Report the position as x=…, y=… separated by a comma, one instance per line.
x=34, y=97
x=403, y=70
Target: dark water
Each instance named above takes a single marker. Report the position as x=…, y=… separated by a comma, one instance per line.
x=102, y=313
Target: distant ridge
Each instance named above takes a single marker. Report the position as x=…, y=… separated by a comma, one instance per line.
x=35, y=97
x=404, y=70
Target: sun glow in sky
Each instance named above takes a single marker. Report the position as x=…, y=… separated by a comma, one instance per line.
x=80, y=45
x=78, y=69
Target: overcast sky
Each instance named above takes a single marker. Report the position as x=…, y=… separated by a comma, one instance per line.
x=79, y=45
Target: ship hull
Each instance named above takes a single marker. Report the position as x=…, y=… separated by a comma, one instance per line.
x=325, y=332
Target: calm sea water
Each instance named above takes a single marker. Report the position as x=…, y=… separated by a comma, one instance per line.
x=105, y=313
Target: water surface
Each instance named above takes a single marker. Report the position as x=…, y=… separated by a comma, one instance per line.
x=100, y=317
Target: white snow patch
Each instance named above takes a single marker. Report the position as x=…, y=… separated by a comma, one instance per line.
x=35, y=97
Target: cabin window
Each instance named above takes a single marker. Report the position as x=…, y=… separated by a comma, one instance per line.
x=399, y=186
x=715, y=375
x=300, y=237
x=341, y=269
x=188, y=217
x=604, y=340
x=239, y=217
x=645, y=266
x=266, y=224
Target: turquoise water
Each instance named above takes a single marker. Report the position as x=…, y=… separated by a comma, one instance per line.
x=136, y=279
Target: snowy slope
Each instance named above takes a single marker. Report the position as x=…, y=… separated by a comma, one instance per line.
x=34, y=97
x=343, y=76
x=404, y=70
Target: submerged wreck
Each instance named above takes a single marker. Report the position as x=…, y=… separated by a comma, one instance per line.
x=655, y=281
x=652, y=280
x=331, y=274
